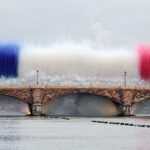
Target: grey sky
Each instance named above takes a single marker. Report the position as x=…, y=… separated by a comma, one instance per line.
x=104, y=22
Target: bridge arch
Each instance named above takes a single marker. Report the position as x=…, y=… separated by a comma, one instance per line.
x=140, y=99
x=23, y=95
x=52, y=94
x=81, y=104
x=13, y=96
x=10, y=105
x=142, y=107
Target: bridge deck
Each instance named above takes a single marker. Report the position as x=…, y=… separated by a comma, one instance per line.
x=70, y=86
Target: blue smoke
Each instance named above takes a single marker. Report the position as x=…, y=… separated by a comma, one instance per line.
x=9, y=54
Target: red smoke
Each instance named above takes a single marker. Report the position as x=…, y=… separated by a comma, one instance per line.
x=144, y=62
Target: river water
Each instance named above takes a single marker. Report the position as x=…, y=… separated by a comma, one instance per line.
x=72, y=133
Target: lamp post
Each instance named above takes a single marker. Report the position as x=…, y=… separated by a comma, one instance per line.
x=37, y=77
x=125, y=78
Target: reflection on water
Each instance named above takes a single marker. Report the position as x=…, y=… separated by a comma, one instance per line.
x=12, y=106
x=81, y=105
x=77, y=133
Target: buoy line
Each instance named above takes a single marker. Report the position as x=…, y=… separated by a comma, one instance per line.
x=122, y=123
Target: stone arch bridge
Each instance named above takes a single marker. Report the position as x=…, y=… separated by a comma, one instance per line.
x=36, y=95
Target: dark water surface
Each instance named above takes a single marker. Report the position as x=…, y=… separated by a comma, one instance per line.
x=46, y=133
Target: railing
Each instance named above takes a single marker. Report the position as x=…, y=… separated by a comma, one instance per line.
x=57, y=80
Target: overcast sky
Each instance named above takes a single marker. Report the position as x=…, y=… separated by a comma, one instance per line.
x=103, y=22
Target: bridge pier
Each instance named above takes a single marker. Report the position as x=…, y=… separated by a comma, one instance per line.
x=126, y=110
x=37, y=109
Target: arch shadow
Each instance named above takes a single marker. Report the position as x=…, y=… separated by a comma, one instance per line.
x=81, y=104
x=12, y=106
x=142, y=107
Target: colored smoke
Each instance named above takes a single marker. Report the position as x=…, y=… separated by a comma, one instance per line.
x=9, y=60
x=144, y=62
x=67, y=63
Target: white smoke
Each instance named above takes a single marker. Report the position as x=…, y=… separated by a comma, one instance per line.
x=79, y=59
